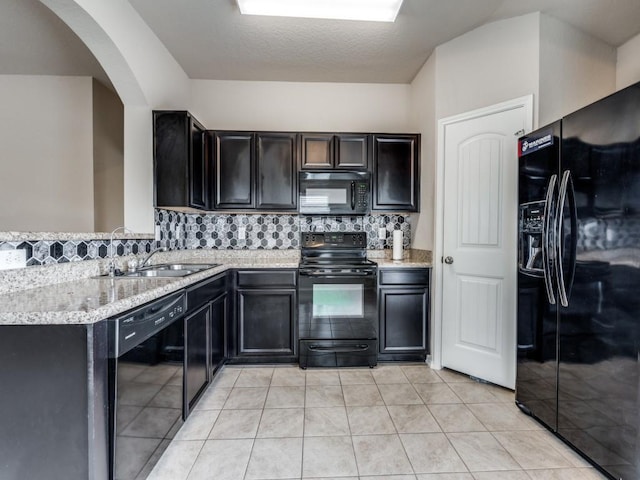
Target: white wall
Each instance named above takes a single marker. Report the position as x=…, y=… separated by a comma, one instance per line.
x=46, y=159
x=628, y=66
x=423, y=97
x=299, y=106
x=146, y=77
x=575, y=69
x=489, y=65
x=108, y=159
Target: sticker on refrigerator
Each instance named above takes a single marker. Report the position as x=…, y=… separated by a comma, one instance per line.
x=537, y=141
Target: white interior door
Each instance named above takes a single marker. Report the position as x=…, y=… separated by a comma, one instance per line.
x=479, y=243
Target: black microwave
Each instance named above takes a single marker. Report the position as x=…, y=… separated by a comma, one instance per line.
x=335, y=193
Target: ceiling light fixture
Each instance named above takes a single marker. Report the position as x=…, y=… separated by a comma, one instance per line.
x=367, y=10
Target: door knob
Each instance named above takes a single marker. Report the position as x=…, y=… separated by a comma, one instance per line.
x=448, y=260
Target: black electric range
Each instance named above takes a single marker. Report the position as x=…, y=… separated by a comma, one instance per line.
x=337, y=301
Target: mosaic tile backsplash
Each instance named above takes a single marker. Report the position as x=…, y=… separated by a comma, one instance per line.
x=45, y=252
x=180, y=231
x=268, y=231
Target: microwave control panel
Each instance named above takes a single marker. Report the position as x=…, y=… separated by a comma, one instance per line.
x=362, y=195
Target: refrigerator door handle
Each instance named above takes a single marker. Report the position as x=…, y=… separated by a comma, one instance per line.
x=562, y=197
x=546, y=241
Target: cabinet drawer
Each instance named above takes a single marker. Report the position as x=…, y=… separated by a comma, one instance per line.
x=405, y=276
x=206, y=291
x=267, y=278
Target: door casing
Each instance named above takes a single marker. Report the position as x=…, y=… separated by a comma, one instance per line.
x=525, y=102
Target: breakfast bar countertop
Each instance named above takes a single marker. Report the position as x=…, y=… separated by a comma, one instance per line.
x=92, y=299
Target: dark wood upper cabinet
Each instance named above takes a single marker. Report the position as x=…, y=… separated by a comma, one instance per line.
x=276, y=158
x=182, y=162
x=396, y=174
x=321, y=151
x=225, y=170
x=352, y=151
x=234, y=162
x=316, y=151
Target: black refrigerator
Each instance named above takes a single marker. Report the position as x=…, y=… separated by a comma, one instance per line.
x=579, y=281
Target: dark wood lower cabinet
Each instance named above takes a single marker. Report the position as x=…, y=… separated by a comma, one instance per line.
x=218, y=332
x=196, y=367
x=265, y=317
x=205, y=333
x=266, y=322
x=403, y=306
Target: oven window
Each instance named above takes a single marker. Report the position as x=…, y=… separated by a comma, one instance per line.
x=322, y=197
x=338, y=300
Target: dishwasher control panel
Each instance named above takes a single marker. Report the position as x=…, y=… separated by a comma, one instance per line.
x=135, y=326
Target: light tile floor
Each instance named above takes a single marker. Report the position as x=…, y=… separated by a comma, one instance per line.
x=394, y=422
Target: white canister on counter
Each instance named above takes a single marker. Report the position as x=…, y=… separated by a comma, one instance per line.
x=397, y=245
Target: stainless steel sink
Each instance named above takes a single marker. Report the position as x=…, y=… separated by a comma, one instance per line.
x=168, y=270
x=159, y=273
x=183, y=266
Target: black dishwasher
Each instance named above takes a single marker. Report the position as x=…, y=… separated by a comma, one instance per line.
x=146, y=371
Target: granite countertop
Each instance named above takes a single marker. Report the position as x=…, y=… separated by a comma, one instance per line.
x=411, y=259
x=85, y=299
x=404, y=263
x=89, y=300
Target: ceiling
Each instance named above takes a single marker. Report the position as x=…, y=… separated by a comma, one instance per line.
x=211, y=40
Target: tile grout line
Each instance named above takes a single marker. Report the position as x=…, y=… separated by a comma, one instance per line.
x=255, y=436
x=353, y=447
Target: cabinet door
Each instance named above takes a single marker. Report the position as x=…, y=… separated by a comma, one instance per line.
x=352, y=151
x=199, y=168
x=234, y=170
x=196, y=329
x=170, y=150
x=266, y=322
x=316, y=151
x=276, y=171
x=396, y=176
x=217, y=333
x=403, y=319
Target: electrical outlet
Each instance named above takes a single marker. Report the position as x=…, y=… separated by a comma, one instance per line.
x=242, y=233
x=13, y=259
x=382, y=233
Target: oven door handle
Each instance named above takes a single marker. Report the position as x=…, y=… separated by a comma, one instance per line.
x=337, y=274
x=343, y=348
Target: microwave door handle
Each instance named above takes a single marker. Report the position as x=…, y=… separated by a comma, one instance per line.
x=353, y=195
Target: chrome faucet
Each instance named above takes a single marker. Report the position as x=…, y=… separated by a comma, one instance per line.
x=148, y=257
x=112, y=263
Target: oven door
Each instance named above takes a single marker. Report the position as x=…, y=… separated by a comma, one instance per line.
x=337, y=317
